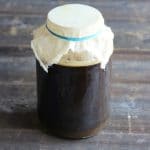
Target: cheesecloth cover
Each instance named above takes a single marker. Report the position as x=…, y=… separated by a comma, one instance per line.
x=73, y=35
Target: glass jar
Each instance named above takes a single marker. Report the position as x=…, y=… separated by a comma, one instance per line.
x=73, y=101
x=73, y=51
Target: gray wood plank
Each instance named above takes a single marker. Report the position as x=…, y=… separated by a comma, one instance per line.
x=131, y=67
x=17, y=98
x=126, y=68
x=125, y=9
x=128, y=128
x=125, y=98
x=16, y=31
x=17, y=70
x=20, y=139
x=131, y=26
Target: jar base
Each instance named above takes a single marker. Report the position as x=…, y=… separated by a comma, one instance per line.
x=76, y=135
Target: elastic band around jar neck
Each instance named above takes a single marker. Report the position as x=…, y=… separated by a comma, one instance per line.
x=74, y=39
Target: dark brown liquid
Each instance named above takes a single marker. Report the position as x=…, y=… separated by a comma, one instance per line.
x=72, y=101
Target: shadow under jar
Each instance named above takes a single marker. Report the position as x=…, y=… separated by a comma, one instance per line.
x=73, y=101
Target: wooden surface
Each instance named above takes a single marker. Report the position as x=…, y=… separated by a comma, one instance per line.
x=129, y=126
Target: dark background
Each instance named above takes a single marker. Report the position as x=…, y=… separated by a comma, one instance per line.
x=129, y=126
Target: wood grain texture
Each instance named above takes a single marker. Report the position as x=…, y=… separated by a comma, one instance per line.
x=131, y=27
x=17, y=32
x=129, y=125
x=122, y=9
x=127, y=68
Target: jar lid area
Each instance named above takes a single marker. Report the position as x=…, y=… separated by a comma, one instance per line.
x=75, y=16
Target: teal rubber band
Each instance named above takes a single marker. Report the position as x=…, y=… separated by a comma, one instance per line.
x=75, y=39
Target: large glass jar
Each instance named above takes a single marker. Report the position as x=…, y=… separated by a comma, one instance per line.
x=73, y=51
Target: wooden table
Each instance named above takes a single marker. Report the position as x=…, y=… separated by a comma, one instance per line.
x=129, y=126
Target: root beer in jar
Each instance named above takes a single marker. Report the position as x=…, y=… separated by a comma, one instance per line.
x=73, y=66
